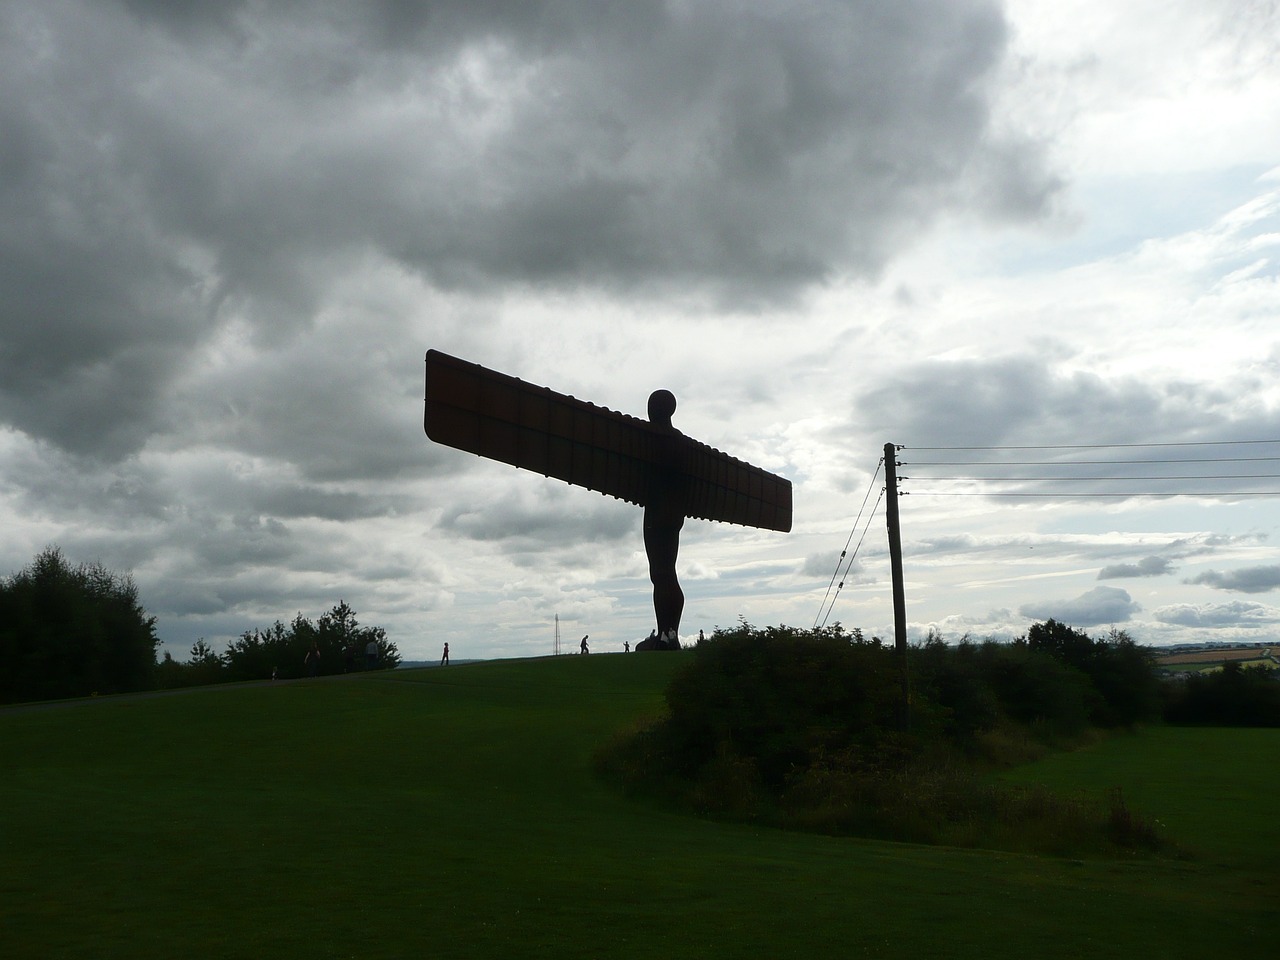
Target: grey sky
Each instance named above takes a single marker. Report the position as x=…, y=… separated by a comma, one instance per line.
x=230, y=230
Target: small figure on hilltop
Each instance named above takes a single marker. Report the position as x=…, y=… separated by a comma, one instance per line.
x=371, y=655
x=582, y=647
x=312, y=660
x=626, y=646
x=700, y=636
x=444, y=658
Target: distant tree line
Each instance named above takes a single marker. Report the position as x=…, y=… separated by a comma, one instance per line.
x=336, y=642
x=1233, y=696
x=70, y=630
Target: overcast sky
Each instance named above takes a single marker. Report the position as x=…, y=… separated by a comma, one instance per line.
x=230, y=230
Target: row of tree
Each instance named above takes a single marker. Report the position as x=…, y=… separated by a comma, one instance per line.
x=69, y=630
x=336, y=643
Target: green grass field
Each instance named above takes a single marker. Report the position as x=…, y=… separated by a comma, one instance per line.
x=452, y=813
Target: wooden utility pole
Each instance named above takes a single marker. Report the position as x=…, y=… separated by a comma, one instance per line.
x=895, y=566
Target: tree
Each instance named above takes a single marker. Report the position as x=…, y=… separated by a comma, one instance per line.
x=1073, y=647
x=1233, y=696
x=70, y=631
x=282, y=651
x=205, y=665
x=256, y=654
x=1121, y=671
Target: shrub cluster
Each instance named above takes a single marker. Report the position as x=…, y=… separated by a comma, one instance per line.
x=806, y=728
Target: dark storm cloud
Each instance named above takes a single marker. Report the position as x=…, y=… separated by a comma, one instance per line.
x=165, y=168
x=1261, y=579
x=1101, y=605
x=1146, y=567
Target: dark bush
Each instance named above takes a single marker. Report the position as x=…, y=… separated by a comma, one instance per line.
x=1120, y=671
x=71, y=631
x=779, y=698
x=805, y=728
x=1234, y=696
x=978, y=687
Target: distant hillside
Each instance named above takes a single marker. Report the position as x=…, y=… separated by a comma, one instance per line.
x=1214, y=657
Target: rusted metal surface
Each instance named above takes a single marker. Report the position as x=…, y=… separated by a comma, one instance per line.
x=503, y=418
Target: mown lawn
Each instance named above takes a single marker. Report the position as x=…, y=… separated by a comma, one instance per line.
x=452, y=813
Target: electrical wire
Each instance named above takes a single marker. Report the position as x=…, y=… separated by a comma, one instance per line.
x=1126, y=495
x=1068, y=463
x=1104, y=446
x=849, y=565
x=1055, y=471
x=871, y=486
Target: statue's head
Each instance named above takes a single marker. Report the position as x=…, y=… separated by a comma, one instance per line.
x=662, y=404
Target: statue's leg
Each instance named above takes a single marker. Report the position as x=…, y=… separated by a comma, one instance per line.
x=662, y=544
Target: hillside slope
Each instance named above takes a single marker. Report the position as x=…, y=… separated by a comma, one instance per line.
x=452, y=813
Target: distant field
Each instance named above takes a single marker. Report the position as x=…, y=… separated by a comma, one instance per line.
x=1217, y=667
x=450, y=813
x=1244, y=657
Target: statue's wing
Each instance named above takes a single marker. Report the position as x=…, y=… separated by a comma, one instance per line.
x=503, y=418
x=724, y=488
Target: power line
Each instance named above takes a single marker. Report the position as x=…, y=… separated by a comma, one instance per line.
x=1062, y=463
x=1054, y=468
x=849, y=564
x=1103, y=446
x=1118, y=494
x=1124, y=470
x=1171, y=476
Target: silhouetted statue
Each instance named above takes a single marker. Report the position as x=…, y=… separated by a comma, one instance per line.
x=647, y=463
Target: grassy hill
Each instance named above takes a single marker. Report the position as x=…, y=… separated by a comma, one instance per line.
x=452, y=813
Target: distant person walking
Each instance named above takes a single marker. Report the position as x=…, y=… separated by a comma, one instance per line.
x=582, y=647
x=444, y=659
x=312, y=660
x=626, y=646
x=371, y=655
